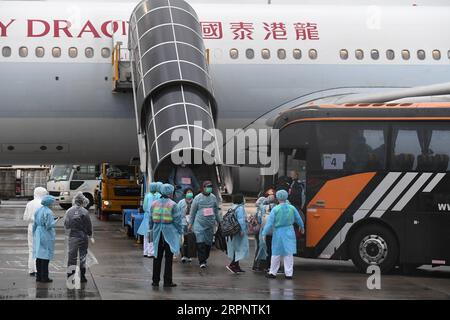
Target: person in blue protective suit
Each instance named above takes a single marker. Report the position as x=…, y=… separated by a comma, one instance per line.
x=237, y=245
x=166, y=228
x=204, y=214
x=150, y=196
x=28, y=216
x=264, y=205
x=183, y=177
x=281, y=221
x=44, y=238
x=184, y=206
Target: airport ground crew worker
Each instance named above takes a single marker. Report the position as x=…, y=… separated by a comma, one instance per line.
x=150, y=196
x=237, y=245
x=284, y=244
x=184, y=206
x=204, y=214
x=165, y=224
x=28, y=215
x=183, y=177
x=78, y=228
x=44, y=238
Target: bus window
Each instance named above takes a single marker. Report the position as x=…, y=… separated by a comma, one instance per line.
x=292, y=159
x=354, y=147
x=439, y=148
x=406, y=149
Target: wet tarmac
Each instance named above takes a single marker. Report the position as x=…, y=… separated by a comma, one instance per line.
x=123, y=273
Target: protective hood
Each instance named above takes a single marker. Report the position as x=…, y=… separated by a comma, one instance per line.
x=40, y=193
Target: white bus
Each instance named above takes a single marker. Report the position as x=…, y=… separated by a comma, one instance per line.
x=66, y=180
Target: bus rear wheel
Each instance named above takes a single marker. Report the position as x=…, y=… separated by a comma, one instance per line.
x=374, y=245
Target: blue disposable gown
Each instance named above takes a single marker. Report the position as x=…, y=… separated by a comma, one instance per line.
x=182, y=207
x=203, y=223
x=148, y=200
x=281, y=220
x=171, y=231
x=44, y=234
x=237, y=245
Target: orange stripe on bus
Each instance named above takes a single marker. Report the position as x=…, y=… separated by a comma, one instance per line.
x=366, y=119
x=331, y=202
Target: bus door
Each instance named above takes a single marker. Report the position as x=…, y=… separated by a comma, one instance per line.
x=294, y=160
x=342, y=159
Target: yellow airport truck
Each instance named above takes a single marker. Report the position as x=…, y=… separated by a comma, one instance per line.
x=119, y=189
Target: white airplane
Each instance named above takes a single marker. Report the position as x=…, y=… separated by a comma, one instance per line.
x=57, y=105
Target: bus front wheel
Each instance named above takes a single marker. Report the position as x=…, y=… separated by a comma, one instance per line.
x=374, y=245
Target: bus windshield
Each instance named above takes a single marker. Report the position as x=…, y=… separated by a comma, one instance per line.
x=120, y=172
x=61, y=173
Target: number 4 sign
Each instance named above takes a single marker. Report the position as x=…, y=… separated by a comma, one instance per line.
x=334, y=161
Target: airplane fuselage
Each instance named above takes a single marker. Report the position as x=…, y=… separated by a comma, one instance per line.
x=263, y=59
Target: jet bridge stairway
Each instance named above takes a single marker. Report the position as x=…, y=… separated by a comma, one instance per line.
x=173, y=92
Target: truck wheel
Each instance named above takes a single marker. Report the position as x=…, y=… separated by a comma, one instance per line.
x=91, y=200
x=374, y=245
x=65, y=206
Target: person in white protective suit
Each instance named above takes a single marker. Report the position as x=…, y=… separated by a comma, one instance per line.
x=30, y=210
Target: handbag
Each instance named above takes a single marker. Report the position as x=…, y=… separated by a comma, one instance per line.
x=220, y=241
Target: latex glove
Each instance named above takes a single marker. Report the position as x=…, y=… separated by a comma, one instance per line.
x=92, y=240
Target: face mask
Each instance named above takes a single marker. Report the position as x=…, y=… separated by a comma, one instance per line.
x=208, y=189
x=189, y=195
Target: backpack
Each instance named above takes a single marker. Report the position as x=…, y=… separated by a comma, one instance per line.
x=230, y=224
x=253, y=225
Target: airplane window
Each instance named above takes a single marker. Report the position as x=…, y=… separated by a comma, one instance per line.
x=374, y=54
x=89, y=52
x=421, y=54
x=23, y=52
x=344, y=54
x=313, y=54
x=106, y=53
x=56, y=52
x=390, y=55
x=359, y=54
x=405, y=54
x=250, y=53
x=436, y=55
x=297, y=54
x=40, y=51
x=281, y=54
x=234, y=53
x=265, y=53
x=6, y=52
x=73, y=52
